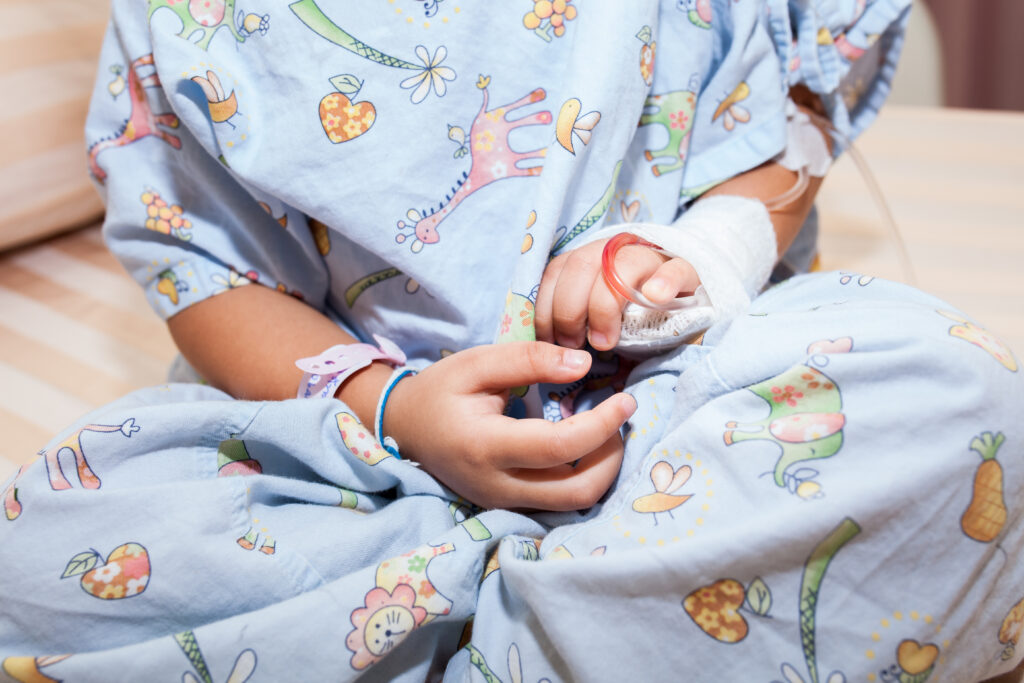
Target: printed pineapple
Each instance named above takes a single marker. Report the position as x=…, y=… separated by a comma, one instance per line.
x=986, y=513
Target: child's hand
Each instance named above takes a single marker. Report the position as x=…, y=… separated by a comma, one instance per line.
x=449, y=419
x=574, y=302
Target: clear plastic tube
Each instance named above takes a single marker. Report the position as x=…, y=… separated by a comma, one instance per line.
x=876, y=194
x=633, y=295
x=627, y=292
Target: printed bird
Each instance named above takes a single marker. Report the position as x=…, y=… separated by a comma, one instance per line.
x=457, y=135
x=731, y=109
x=571, y=123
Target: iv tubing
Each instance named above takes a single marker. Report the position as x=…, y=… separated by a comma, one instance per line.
x=631, y=294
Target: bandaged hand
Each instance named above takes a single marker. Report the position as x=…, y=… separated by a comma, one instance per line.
x=575, y=304
x=722, y=249
x=449, y=419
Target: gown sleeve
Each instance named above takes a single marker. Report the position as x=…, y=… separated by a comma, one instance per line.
x=844, y=51
x=177, y=217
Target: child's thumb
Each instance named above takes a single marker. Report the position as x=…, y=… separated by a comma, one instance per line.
x=502, y=366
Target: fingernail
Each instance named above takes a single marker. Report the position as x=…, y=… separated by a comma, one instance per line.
x=598, y=340
x=629, y=404
x=575, y=359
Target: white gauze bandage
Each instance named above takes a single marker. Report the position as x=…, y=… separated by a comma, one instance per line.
x=805, y=144
x=730, y=242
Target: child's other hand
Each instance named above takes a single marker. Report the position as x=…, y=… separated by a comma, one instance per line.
x=449, y=418
x=575, y=304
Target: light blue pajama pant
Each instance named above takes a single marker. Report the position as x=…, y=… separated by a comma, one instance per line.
x=829, y=488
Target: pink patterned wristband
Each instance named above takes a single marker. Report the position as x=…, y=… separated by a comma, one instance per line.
x=325, y=372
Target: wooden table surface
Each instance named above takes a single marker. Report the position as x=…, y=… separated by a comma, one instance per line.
x=954, y=179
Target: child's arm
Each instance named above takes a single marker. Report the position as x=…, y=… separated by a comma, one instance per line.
x=448, y=418
x=574, y=304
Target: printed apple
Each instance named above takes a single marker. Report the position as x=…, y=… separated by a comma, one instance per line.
x=123, y=574
x=715, y=609
x=342, y=119
x=233, y=460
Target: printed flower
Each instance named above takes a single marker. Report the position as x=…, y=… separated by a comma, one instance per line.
x=426, y=588
x=817, y=431
x=112, y=592
x=499, y=170
x=405, y=578
x=484, y=141
x=506, y=324
x=331, y=121
x=557, y=12
x=384, y=621
x=707, y=620
x=728, y=635
x=136, y=586
x=106, y=573
x=789, y=395
x=354, y=127
x=233, y=280
x=679, y=119
x=164, y=218
x=417, y=564
x=433, y=75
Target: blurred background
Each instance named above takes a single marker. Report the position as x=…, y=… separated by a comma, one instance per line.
x=967, y=53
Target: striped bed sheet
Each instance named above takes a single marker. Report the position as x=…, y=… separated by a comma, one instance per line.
x=75, y=333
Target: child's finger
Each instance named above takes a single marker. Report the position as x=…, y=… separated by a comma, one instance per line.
x=673, y=278
x=567, y=487
x=545, y=295
x=604, y=317
x=540, y=444
x=515, y=364
x=571, y=298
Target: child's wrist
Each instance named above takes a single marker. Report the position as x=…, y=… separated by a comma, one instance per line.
x=362, y=391
x=390, y=407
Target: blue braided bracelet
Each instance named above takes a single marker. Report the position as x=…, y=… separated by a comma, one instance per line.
x=378, y=423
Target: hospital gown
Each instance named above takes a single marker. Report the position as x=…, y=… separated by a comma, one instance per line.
x=828, y=487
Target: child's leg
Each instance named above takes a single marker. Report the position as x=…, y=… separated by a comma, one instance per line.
x=832, y=489
x=177, y=556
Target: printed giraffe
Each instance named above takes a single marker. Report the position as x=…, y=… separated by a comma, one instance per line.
x=203, y=18
x=804, y=418
x=141, y=123
x=491, y=159
x=58, y=482
x=673, y=110
x=73, y=443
